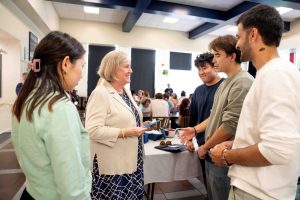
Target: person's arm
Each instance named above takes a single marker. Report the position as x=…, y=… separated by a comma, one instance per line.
x=249, y=156
x=277, y=122
x=219, y=136
x=202, y=126
x=230, y=115
x=96, y=114
x=189, y=132
x=235, y=99
x=68, y=151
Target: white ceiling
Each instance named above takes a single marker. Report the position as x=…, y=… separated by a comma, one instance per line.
x=155, y=21
x=223, y=5
x=185, y=23
x=291, y=15
x=73, y=11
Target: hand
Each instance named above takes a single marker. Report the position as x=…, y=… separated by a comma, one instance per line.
x=202, y=151
x=186, y=134
x=145, y=123
x=134, y=132
x=190, y=146
x=216, y=152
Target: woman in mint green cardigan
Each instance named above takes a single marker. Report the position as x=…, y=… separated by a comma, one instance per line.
x=51, y=144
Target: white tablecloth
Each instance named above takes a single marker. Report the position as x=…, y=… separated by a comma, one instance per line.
x=162, y=166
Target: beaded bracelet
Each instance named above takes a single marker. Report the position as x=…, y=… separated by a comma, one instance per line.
x=223, y=157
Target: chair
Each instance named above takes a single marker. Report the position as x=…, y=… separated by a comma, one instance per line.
x=163, y=123
x=185, y=121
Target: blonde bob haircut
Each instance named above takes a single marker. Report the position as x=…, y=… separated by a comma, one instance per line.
x=109, y=64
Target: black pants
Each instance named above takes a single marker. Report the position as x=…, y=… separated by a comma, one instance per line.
x=26, y=195
x=202, y=162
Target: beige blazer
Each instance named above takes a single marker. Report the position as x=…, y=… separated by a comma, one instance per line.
x=106, y=114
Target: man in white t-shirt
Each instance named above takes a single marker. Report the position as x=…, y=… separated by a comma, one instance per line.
x=265, y=155
x=159, y=107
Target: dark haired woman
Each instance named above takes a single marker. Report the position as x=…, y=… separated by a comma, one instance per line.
x=146, y=108
x=51, y=144
x=183, y=110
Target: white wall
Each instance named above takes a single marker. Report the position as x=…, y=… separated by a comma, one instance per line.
x=10, y=69
x=10, y=78
x=13, y=63
x=291, y=39
x=139, y=37
x=178, y=79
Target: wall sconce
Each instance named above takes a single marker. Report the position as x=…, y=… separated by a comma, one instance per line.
x=165, y=72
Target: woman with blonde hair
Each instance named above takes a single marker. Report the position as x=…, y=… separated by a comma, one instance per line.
x=114, y=122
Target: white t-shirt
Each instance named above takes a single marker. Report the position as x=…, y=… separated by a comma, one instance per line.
x=270, y=117
x=159, y=108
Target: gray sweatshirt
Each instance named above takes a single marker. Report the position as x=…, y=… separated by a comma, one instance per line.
x=228, y=103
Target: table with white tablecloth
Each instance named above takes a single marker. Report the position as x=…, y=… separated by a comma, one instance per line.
x=162, y=166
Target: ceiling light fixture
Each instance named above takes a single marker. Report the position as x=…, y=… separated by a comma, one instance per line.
x=91, y=10
x=232, y=29
x=170, y=20
x=283, y=10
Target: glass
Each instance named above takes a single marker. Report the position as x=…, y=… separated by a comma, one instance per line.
x=178, y=132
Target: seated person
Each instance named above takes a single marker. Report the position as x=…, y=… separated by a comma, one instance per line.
x=182, y=96
x=146, y=108
x=183, y=110
x=159, y=107
x=139, y=97
x=172, y=109
x=174, y=100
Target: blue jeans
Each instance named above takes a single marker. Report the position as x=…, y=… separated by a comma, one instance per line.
x=218, y=183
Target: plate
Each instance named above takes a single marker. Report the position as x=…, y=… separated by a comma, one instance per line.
x=174, y=148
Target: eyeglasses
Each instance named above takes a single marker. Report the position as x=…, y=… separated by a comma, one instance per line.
x=165, y=143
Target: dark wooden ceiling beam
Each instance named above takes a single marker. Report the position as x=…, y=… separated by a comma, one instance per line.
x=114, y=4
x=134, y=15
x=214, y=19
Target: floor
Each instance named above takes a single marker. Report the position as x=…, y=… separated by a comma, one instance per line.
x=12, y=179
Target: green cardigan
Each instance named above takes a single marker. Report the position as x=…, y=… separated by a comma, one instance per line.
x=53, y=152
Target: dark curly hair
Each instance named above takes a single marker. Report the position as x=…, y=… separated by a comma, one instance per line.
x=268, y=22
x=204, y=58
